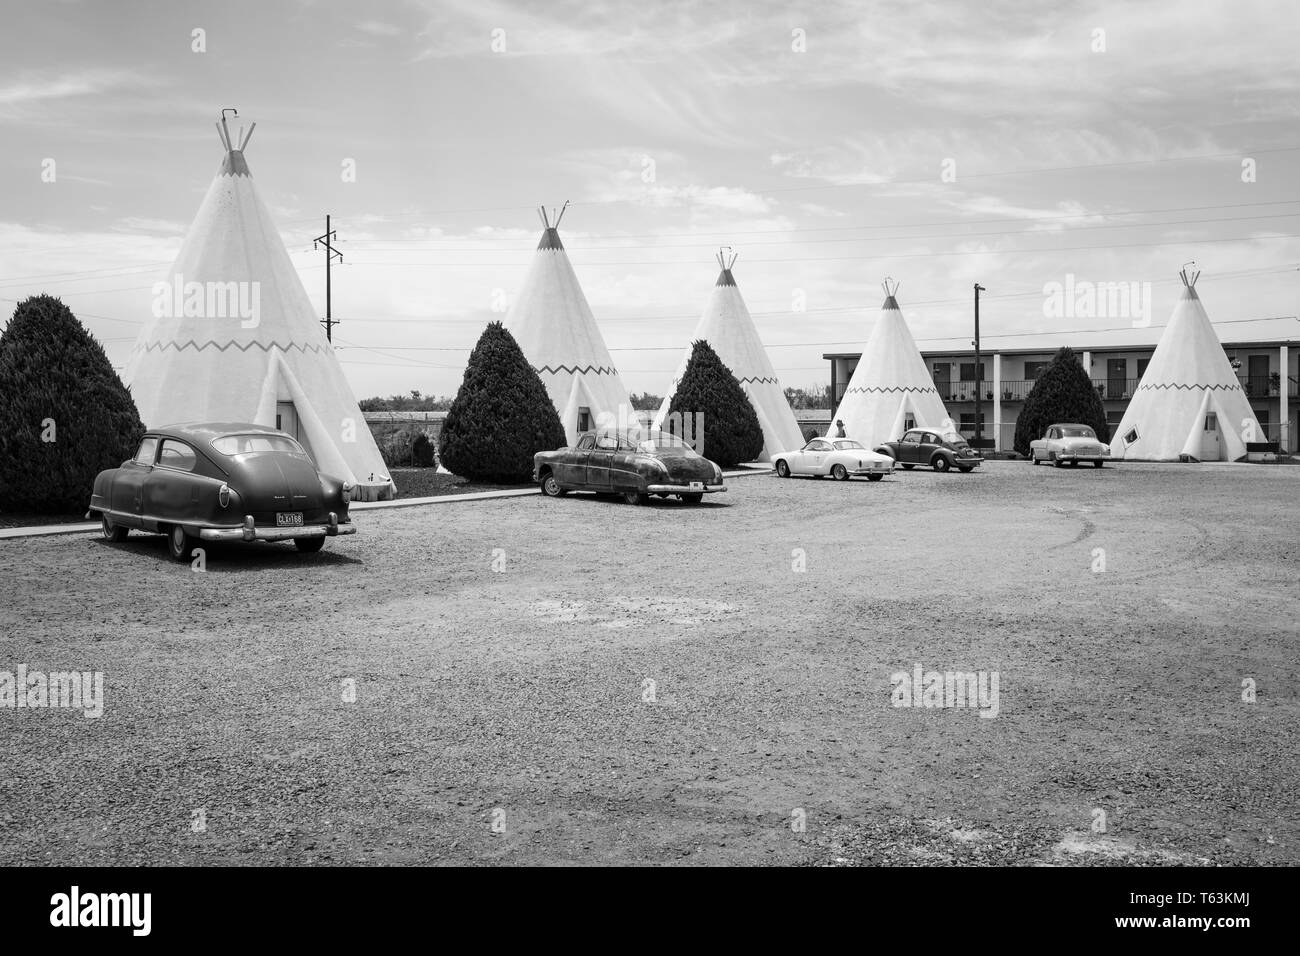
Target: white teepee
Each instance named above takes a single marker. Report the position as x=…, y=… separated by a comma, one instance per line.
x=728, y=328
x=1189, y=404
x=234, y=338
x=891, y=388
x=553, y=324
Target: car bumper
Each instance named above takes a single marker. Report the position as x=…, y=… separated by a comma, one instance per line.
x=968, y=462
x=684, y=489
x=252, y=532
x=1061, y=457
x=883, y=470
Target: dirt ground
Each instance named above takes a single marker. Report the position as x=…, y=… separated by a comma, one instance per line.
x=502, y=652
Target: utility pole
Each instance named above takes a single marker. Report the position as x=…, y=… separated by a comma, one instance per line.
x=979, y=431
x=330, y=254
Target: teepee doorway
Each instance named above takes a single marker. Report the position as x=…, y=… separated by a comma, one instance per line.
x=1211, y=450
x=286, y=418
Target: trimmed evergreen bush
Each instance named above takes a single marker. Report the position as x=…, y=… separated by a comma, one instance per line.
x=1063, y=393
x=732, y=433
x=65, y=416
x=422, y=451
x=501, y=417
x=407, y=448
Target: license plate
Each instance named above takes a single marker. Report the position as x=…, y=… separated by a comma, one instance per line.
x=288, y=519
x=697, y=486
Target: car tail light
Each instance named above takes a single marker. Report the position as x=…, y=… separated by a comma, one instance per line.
x=347, y=491
x=223, y=495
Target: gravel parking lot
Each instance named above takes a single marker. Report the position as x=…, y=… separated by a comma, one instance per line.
x=502, y=653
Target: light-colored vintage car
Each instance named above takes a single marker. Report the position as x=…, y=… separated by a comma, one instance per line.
x=841, y=458
x=1069, y=443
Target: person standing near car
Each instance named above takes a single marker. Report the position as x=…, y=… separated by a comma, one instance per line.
x=839, y=426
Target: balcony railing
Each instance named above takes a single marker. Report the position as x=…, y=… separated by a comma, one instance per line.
x=1110, y=389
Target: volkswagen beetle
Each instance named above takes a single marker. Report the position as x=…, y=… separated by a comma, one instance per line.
x=634, y=463
x=939, y=448
x=226, y=481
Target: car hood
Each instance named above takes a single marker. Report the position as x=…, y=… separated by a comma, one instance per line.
x=272, y=481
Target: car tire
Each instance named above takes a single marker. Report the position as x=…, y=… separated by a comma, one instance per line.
x=179, y=543
x=940, y=463
x=309, y=545
x=112, y=532
x=965, y=468
x=907, y=466
x=1033, y=459
x=839, y=473
x=635, y=498
x=874, y=477
x=1098, y=464
x=550, y=487
x=782, y=468
x=1056, y=462
x=692, y=499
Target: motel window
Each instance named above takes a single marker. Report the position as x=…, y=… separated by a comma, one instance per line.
x=1212, y=422
x=909, y=422
x=968, y=372
x=1034, y=369
x=968, y=421
x=1142, y=366
x=1114, y=416
x=584, y=419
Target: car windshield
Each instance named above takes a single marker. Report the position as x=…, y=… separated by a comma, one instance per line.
x=231, y=445
x=1077, y=431
x=848, y=445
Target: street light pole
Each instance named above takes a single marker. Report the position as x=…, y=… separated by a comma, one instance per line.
x=979, y=431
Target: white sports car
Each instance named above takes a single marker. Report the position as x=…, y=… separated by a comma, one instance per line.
x=841, y=458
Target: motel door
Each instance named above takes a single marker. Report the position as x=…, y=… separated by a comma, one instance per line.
x=286, y=418
x=1210, y=439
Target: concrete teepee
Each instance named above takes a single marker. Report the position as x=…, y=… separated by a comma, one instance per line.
x=553, y=324
x=234, y=337
x=890, y=390
x=1189, y=404
x=728, y=328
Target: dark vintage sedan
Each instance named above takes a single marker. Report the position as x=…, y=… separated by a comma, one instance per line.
x=934, y=447
x=226, y=481
x=633, y=463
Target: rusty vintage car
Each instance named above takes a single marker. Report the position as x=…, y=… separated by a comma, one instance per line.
x=634, y=463
x=223, y=481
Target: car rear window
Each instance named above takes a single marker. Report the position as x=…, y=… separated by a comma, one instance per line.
x=231, y=445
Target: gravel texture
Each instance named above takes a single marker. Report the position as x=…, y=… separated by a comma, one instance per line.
x=516, y=696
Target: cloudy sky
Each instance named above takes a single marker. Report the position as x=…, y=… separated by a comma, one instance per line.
x=1102, y=140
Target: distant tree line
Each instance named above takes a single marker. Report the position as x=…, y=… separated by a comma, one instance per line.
x=414, y=402
x=814, y=396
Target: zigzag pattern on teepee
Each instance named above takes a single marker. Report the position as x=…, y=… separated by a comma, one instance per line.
x=264, y=346
x=577, y=369
x=881, y=390
x=1191, y=388
x=755, y=379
